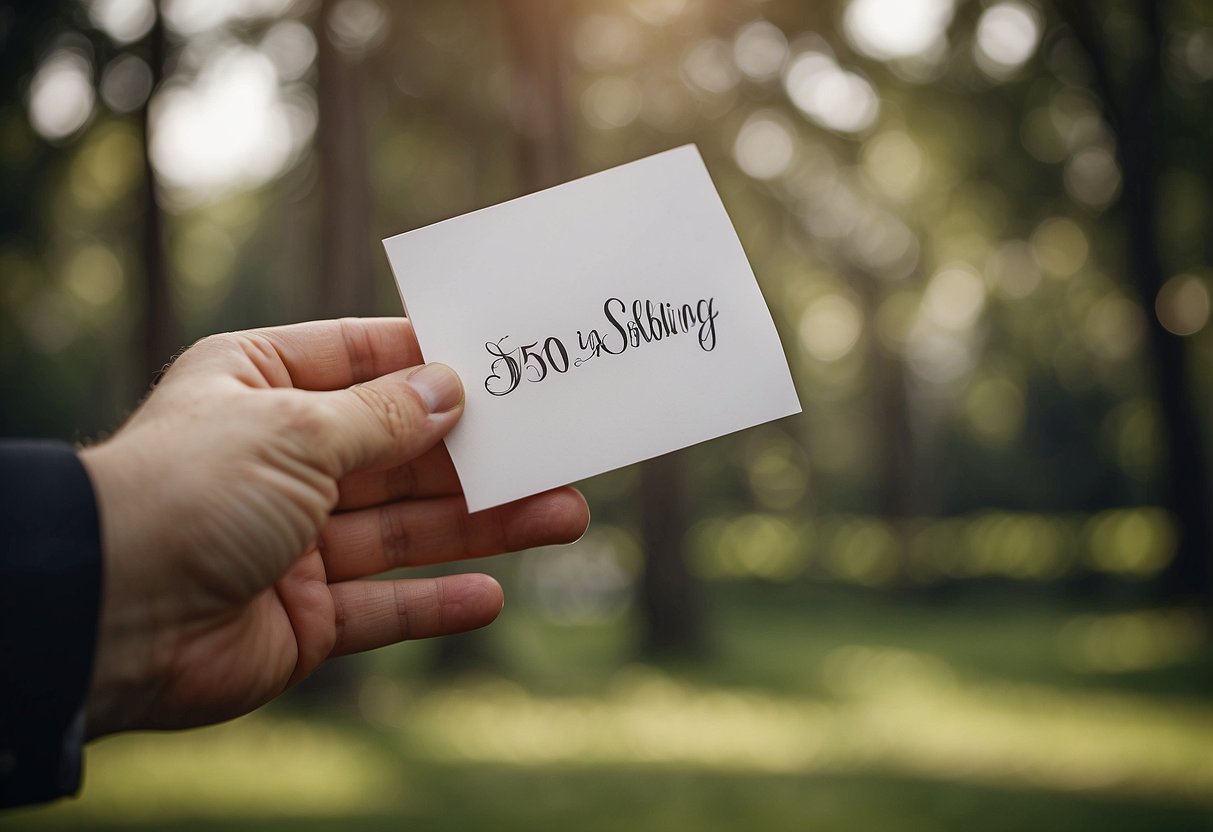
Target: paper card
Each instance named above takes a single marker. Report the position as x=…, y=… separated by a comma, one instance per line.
x=595, y=324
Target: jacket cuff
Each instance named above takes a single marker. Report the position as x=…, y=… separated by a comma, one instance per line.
x=50, y=592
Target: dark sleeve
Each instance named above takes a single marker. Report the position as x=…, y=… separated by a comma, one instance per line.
x=50, y=587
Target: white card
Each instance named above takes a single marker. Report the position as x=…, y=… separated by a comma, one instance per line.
x=595, y=324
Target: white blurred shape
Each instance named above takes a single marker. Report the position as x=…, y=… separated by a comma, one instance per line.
x=764, y=147
x=358, y=25
x=192, y=17
x=709, y=66
x=126, y=83
x=936, y=355
x=61, y=95
x=658, y=12
x=830, y=327
x=835, y=98
x=605, y=40
x=291, y=47
x=954, y=298
x=1183, y=304
x=1013, y=270
x=1092, y=176
x=228, y=127
x=1197, y=53
x=760, y=49
x=893, y=29
x=93, y=275
x=885, y=244
x=893, y=161
x=611, y=102
x=1007, y=35
x=125, y=21
x=835, y=214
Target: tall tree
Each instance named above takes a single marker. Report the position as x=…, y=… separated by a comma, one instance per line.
x=158, y=331
x=1135, y=102
x=347, y=286
x=669, y=594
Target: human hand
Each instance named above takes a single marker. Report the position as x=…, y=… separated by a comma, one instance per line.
x=245, y=501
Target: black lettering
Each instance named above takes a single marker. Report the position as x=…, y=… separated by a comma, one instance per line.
x=623, y=335
x=707, y=323
x=637, y=316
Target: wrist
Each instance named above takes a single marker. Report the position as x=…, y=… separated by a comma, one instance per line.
x=124, y=658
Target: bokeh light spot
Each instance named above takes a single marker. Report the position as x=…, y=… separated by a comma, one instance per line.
x=890, y=29
x=291, y=47
x=125, y=21
x=830, y=327
x=1132, y=543
x=829, y=95
x=1059, y=246
x=611, y=102
x=658, y=12
x=760, y=50
x=764, y=147
x=1092, y=176
x=954, y=298
x=1183, y=305
x=1012, y=270
x=708, y=66
x=895, y=163
x=603, y=41
x=93, y=275
x=126, y=83
x=61, y=95
x=1007, y=35
x=357, y=26
x=193, y=17
x=229, y=127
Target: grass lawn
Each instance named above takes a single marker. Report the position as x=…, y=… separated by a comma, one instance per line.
x=818, y=709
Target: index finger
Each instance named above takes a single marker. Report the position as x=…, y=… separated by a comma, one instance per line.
x=317, y=355
x=332, y=355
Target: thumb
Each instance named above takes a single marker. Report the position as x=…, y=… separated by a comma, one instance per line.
x=394, y=418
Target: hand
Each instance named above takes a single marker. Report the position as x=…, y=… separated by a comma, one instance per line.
x=243, y=504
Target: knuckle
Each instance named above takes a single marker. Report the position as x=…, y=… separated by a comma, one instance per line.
x=392, y=415
x=402, y=481
x=395, y=537
x=358, y=347
x=404, y=611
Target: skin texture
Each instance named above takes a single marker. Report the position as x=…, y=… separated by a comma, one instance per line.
x=247, y=501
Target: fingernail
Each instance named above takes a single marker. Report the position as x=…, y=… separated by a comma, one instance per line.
x=439, y=386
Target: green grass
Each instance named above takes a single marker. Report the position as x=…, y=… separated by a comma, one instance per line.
x=818, y=708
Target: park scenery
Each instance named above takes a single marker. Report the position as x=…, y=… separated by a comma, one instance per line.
x=970, y=586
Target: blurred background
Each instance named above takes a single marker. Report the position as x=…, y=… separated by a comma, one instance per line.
x=969, y=586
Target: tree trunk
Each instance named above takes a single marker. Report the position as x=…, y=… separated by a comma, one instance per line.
x=669, y=595
x=538, y=108
x=891, y=433
x=346, y=279
x=158, y=332
x=1134, y=111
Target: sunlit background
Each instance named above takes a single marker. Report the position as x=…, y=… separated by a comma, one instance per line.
x=969, y=587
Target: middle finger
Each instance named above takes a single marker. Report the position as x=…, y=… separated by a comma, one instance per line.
x=356, y=544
